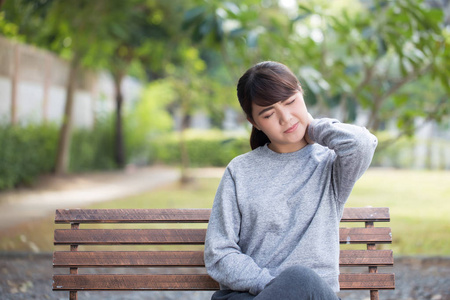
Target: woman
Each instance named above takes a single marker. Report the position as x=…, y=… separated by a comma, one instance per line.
x=274, y=227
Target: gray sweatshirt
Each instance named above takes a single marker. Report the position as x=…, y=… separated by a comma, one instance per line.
x=275, y=210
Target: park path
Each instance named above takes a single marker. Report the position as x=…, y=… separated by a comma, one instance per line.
x=28, y=276
x=77, y=190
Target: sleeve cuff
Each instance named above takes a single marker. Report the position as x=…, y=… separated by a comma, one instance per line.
x=311, y=129
x=263, y=280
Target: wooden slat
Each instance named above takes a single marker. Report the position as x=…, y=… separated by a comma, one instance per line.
x=189, y=236
x=128, y=259
x=366, y=214
x=351, y=214
x=193, y=282
x=132, y=215
x=365, y=235
x=128, y=282
x=375, y=281
x=366, y=258
x=84, y=259
x=129, y=236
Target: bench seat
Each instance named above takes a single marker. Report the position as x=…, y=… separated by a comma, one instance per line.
x=170, y=256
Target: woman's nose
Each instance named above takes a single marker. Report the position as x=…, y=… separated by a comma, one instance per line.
x=285, y=116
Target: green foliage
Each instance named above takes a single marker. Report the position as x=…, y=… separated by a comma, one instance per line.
x=398, y=155
x=374, y=56
x=25, y=153
x=29, y=151
x=147, y=119
x=8, y=29
x=410, y=152
x=93, y=149
x=205, y=148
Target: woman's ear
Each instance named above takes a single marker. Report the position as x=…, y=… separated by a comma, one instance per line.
x=252, y=122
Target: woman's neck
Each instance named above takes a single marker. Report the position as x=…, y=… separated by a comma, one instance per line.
x=287, y=148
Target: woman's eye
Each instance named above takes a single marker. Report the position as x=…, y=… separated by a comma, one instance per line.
x=290, y=102
x=268, y=116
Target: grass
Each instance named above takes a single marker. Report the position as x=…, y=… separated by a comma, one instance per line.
x=38, y=236
x=419, y=203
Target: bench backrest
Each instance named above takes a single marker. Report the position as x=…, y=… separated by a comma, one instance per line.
x=184, y=257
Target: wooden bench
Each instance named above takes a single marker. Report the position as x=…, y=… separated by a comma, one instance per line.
x=185, y=264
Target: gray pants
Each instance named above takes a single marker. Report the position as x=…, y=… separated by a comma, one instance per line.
x=294, y=283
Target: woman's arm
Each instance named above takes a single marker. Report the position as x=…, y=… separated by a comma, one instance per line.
x=354, y=147
x=224, y=259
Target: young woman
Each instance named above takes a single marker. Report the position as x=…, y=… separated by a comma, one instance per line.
x=274, y=226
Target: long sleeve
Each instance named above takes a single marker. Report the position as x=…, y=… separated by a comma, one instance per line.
x=224, y=259
x=354, y=147
x=276, y=210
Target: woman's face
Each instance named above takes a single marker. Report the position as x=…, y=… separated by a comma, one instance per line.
x=284, y=123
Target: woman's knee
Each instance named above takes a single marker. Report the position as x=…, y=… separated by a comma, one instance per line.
x=305, y=282
x=300, y=274
x=297, y=282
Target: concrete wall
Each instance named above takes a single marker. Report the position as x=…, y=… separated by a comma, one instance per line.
x=33, y=88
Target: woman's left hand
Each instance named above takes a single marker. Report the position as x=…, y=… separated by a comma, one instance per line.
x=307, y=138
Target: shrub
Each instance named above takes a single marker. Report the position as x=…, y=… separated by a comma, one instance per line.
x=206, y=148
x=26, y=152
x=93, y=149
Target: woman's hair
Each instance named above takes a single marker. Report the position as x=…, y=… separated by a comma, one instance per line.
x=265, y=84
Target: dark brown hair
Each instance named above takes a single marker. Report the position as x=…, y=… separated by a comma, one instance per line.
x=265, y=84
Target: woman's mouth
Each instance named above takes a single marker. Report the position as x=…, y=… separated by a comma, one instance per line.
x=292, y=128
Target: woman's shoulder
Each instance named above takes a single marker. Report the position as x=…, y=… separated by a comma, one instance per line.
x=248, y=157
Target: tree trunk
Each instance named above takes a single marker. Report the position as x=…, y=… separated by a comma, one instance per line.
x=47, y=84
x=119, y=151
x=65, y=133
x=185, y=162
x=374, y=121
x=14, y=83
x=343, y=106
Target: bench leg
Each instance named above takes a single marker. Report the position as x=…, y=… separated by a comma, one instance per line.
x=74, y=296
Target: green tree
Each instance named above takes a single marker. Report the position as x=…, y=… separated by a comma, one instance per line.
x=67, y=28
x=133, y=28
x=348, y=54
x=116, y=35
x=368, y=57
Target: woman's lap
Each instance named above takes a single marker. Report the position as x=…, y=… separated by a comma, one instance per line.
x=293, y=283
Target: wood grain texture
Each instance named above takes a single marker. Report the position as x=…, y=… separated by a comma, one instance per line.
x=366, y=214
x=128, y=259
x=133, y=259
x=190, y=236
x=366, y=258
x=351, y=214
x=129, y=236
x=365, y=281
x=191, y=282
x=132, y=215
x=358, y=235
x=126, y=282
x=190, y=261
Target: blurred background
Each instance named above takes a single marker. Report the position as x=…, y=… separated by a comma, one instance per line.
x=116, y=92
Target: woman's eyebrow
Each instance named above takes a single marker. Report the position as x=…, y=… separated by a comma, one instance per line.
x=264, y=110
x=271, y=107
